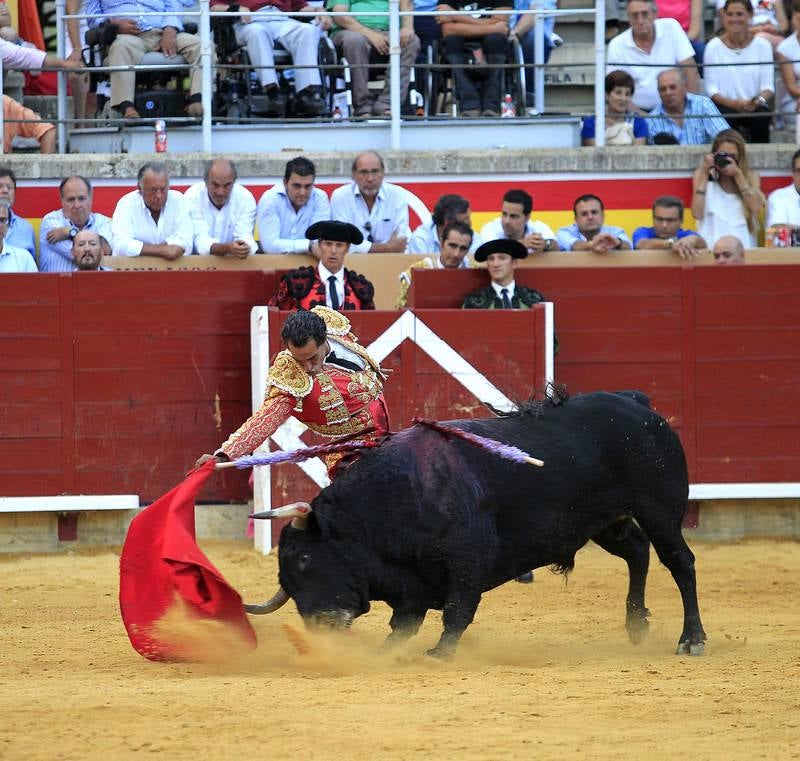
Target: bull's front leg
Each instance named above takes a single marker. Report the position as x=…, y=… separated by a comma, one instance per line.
x=405, y=623
x=459, y=611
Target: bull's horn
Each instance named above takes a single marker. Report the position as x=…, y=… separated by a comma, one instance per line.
x=295, y=510
x=278, y=600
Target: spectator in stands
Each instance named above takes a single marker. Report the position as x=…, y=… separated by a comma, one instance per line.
x=299, y=37
x=783, y=204
x=152, y=220
x=457, y=238
x=479, y=39
x=12, y=258
x=329, y=283
x=623, y=127
x=289, y=208
x=588, y=233
x=78, y=81
x=514, y=223
x=87, y=251
x=682, y=117
x=379, y=209
x=728, y=250
x=138, y=35
x=428, y=237
x=426, y=27
x=788, y=56
x=19, y=232
x=726, y=198
x=648, y=47
x=666, y=234
x=19, y=121
x=742, y=80
x=689, y=14
x=356, y=37
x=19, y=57
x=502, y=257
x=223, y=212
x=60, y=227
x=768, y=22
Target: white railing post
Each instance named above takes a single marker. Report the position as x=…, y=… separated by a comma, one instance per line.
x=538, y=59
x=61, y=77
x=394, y=70
x=206, y=64
x=599, y=74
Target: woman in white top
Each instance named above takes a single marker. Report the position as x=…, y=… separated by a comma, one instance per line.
x=726, y=198
x=742, y=83
x=788, y=56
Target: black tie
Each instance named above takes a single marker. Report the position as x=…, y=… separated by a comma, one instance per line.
x=506, y=300
x=334, y=295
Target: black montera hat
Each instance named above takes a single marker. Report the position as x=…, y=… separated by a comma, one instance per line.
x=334, y=230
x=513, y=248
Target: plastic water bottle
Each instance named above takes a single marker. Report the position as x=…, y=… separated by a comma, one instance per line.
x=161, y=136
x=507, y=107
x=337, y=114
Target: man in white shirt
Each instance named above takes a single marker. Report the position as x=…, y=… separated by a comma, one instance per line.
x=152, y=220
x=12, y=259
x=379, y=209
x=428, y=237
x=289, y=208
x=783, y=204
x=20, y=232
x=223, y=212
x=647, y=48
x=514, y=223
x=329, y=283
x=59, y=227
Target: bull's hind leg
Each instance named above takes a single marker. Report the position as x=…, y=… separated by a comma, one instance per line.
x=675, y=554
x=457, y=614
x=405, y=623
x=626, y=540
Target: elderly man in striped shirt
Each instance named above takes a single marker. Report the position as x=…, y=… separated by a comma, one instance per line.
x=683, y=118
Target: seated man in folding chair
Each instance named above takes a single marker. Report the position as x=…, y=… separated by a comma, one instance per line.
x=300, y=38
x=356, y=37
x=137, y=35
x=478, y=88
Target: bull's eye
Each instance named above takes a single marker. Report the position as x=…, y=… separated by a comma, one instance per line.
x=304, y=562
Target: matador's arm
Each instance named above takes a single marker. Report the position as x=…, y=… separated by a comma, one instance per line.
x=257, y=429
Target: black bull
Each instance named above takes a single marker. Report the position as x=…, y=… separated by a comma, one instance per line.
x=426, y=521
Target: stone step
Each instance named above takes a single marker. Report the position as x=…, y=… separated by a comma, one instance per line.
x=47, y=106
x=571, y=65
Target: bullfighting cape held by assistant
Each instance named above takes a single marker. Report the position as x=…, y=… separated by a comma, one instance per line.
x=162, y=570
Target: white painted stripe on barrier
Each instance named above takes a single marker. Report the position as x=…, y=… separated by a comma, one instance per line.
x=549, y=342
x=73, y=503
x=745, y=491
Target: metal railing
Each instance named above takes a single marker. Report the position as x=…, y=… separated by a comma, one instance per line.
x=204, y=16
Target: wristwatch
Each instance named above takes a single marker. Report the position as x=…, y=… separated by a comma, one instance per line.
x=671, y=241
x=73, y=231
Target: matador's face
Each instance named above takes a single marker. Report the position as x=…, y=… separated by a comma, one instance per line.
x=310, y=356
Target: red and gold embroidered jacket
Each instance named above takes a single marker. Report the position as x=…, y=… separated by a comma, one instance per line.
x=335, y=402
x=303, y=289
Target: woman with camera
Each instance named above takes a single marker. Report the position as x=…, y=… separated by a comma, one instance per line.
x=739, y=74
x=726, y=198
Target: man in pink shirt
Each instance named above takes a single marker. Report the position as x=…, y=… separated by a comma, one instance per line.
x=19, y=57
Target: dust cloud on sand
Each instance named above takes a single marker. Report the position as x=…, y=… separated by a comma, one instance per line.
x=546, y=670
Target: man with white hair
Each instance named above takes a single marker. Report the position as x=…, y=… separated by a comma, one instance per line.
x=647, y=48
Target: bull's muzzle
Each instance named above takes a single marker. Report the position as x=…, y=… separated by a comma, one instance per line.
x=330, y=619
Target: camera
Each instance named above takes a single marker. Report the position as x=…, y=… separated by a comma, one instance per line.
x=722, y=159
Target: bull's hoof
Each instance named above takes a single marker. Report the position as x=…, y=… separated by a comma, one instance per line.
x=637, y=630
x=690, y=648
x=440, y=654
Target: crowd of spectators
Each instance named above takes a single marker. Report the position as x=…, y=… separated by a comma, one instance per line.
x=219, y=216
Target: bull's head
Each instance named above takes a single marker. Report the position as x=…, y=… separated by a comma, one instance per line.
x=317, y=570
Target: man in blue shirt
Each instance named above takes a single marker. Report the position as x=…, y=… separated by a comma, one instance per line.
x=682, y=117
x=588, y=233
x=19, y=232
x=666, y=234
x=138, y=35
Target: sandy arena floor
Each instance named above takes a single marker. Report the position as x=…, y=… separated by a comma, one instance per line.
x=546, y=671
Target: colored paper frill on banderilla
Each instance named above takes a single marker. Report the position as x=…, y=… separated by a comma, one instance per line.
x=174, y=603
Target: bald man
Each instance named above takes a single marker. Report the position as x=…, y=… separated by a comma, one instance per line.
x=728, y=250
x=87, y=251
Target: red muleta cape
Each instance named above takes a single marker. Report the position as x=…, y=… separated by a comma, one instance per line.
x=161, y=560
